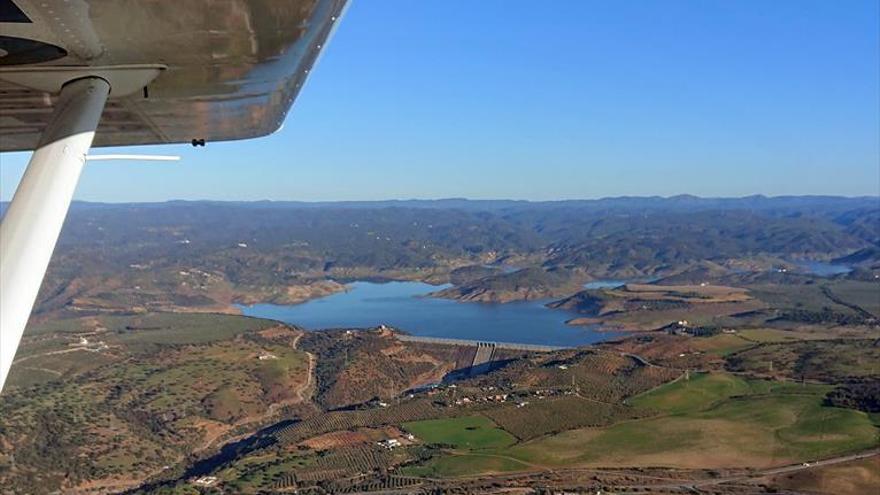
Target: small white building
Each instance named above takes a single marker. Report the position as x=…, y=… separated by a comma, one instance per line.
x=206, y=481
x=390, y=444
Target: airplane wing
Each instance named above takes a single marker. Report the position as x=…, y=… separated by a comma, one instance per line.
x=229, y=69
x=81, y=73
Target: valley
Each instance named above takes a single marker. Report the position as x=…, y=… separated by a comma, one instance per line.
x=657, y=346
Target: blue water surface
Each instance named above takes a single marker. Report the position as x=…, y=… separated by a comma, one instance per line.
x=403, y=305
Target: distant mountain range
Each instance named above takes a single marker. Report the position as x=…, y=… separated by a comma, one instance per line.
x=679, y=202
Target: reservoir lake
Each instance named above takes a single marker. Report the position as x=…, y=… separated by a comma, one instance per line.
x=404, y=305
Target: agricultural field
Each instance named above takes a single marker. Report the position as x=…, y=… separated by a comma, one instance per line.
x=809, y=302
x=597, y=375
x=451, y=437
x=348, y=438
x=705, y=294
x=721, y=344
x=749, y=439
x=724, y=344
x=648, y=307
x=273, y=471
x=165, y=328
x=758, y=423
x=319, y=424
x=826, y=361
x=464, y=464
x=554, y=415
x=699, y=391
x=772, y=335
x=467, y=432
x=475, y=439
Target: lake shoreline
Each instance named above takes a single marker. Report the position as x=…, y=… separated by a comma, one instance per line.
x=408, y=306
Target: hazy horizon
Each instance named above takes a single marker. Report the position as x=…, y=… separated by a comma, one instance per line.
x=487, y=200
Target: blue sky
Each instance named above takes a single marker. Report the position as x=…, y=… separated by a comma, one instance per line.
x=554, y=100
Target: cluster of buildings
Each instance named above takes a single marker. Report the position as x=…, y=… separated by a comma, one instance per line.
x=197, y=278
x=205, y=481
x=684, y=327
x=393, y=443
x=518, y=398
x=87, y=345
x=389, y=443
x=484, y=398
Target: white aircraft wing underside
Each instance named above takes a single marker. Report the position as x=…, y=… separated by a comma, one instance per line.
x=232, y=68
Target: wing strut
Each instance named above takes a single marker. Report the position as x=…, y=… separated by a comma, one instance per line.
x=33, y=221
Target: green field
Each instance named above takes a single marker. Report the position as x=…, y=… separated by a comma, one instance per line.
x=469, y=432
x=759, y=423
x=712, y=420
x=177, y=328
x=698, y=392
x=555, y=415
x=722, y=344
